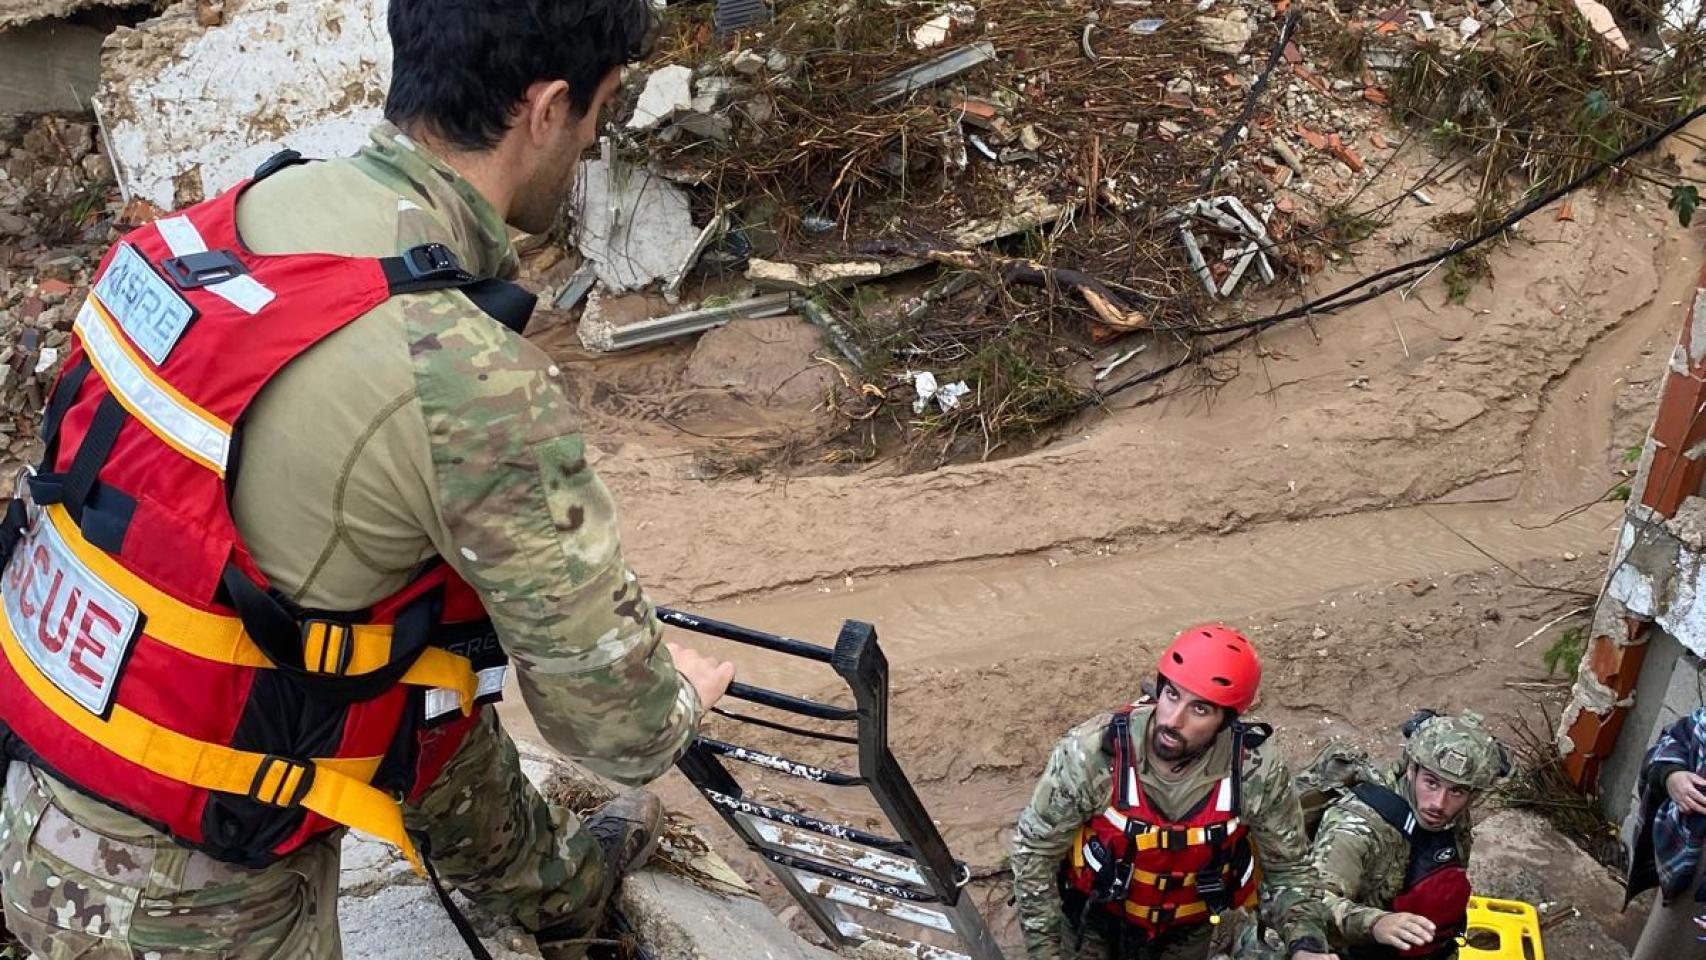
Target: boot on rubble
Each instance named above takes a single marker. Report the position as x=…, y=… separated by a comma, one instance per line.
x=627, y=830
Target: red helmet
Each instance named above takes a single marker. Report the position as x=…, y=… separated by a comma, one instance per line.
x=1216, y=663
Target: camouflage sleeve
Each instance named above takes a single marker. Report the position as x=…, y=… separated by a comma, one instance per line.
x=1346, y=851
x=525, y=521
x=1073, y=787
x=1271, y=810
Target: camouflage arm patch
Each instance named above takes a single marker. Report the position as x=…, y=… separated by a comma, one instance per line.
x=1353, y=856
x=1074, y=785
x=528, y=524
x=1275, y=820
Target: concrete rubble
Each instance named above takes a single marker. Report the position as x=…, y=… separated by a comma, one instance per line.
x=633, y=225
x=313, y=79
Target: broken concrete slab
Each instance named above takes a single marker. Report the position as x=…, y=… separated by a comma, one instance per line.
x=667, y=90
x=49, y=67
x=635, y=227
x=1228, y=35
x=680, y=921
x=1602, y=22
x=183, y=124
x=386, y=913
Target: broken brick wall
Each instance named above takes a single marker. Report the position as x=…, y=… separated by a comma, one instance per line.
x=1643, y=662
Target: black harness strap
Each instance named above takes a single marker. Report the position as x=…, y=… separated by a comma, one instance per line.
x=508, y=303
x=278, y=631
x=1392, y=808
x=457, y=918
x=64, y=393
x=79, y=478
x=277, y=162
x=434, y=266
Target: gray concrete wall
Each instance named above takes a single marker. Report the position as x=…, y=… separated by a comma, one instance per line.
x=1672, y=684
x=49, y=67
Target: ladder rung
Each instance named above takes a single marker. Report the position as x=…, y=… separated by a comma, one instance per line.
x=791, y=704
x=802, y=822
x=842, y=855
x=771, y=761
x=882, y=887
x=739, y=634
x=923, y=951
x=897, y=909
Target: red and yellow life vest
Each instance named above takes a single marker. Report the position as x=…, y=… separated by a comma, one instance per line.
x=145, y=660
x=1155, y=873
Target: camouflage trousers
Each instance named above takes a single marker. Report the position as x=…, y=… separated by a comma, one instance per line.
x=82, y=882
x=1099, y=942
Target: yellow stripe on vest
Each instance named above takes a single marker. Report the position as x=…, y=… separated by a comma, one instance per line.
x=175, y=419
x=221, y=639
x=338, y=792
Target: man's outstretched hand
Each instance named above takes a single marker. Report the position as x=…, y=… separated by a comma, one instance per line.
x=1403, y=930
x=710, y=677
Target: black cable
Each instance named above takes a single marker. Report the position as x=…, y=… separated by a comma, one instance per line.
x=1516, y=216
x=1230, y=137
x=1406, y=272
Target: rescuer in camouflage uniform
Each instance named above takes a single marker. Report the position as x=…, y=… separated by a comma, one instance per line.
x=421, y=429
x=1448, y=763
x=1076, y=785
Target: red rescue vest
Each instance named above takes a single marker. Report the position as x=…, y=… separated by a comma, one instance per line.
x=1157, y=873
x=1436, y=879
x=145, y=660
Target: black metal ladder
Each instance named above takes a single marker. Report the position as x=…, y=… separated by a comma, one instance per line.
x=911, y=880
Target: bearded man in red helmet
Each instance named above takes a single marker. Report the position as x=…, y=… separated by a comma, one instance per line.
x=1151, y=822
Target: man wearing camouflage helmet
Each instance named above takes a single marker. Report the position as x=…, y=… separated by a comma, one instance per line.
x=1393, y=851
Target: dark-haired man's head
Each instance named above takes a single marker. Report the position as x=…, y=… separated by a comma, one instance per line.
x=509, y=91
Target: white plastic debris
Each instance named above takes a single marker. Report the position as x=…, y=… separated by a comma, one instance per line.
x=1427, y=18
x=49, y=356
x=925, y=384
x=1470, y=26
x=934, y=32
x=667, y=90
x=947, y=398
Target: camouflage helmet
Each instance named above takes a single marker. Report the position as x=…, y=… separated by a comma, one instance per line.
x=1456, y=748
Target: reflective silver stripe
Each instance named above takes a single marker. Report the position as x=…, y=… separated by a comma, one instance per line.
x=441, y=702
x=194, y=432
x=243, y=292
x=1224, y=802
x=1089, y=858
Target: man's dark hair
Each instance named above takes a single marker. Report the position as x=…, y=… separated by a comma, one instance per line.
x=461, y=66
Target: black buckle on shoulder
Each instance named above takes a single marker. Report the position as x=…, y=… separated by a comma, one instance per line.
x=203, y=269
x=434, y=261
x=281, y=782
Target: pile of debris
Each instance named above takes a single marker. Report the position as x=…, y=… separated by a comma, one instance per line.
x=1074, y=174
x=58, y=213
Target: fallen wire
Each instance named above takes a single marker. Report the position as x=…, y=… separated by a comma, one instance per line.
x=1233, y=132
x=1385, y=281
